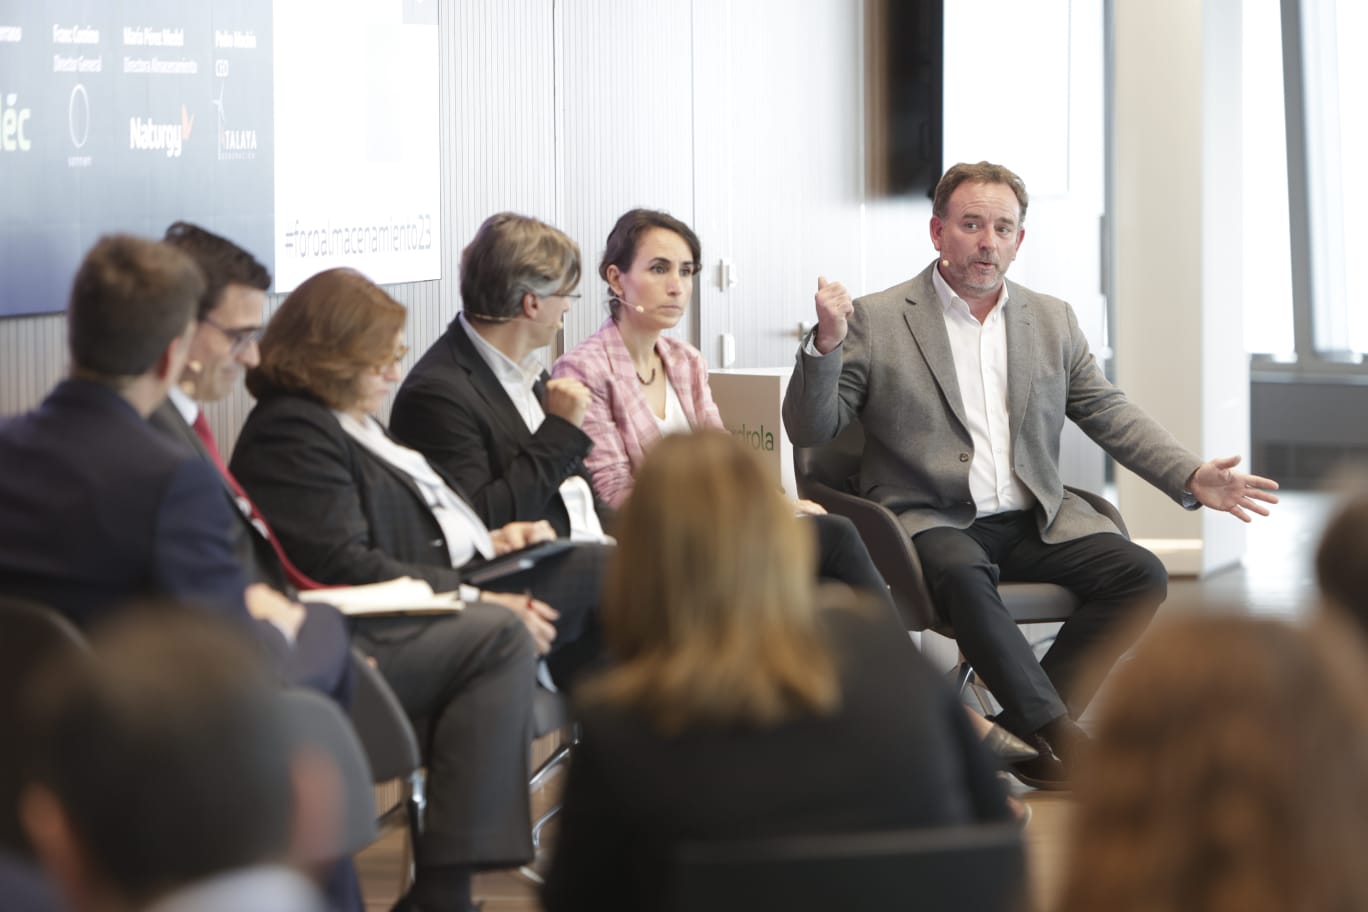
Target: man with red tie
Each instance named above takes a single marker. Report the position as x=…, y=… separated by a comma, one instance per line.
x=466, y=680
x=223, y=342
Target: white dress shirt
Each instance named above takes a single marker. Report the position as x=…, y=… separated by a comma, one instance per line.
x=979, y=351
x=464, y=531
x=518, y=381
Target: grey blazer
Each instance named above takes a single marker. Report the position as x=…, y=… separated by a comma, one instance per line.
x=897, y=377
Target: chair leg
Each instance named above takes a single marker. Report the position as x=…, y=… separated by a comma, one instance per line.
x=416, y=806
x=963, y=673
x=544, y=771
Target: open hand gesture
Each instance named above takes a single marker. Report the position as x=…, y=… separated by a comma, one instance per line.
x=1217, y=485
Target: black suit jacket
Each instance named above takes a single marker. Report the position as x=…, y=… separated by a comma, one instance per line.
x=253, y=550
x=97, y=508
x=898, y=753
x=343, y=515
x=453, y=410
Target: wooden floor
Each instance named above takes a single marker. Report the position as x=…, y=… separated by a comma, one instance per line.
x=1276, y=580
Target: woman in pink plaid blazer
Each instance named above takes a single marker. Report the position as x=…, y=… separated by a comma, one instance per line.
x=645, y=384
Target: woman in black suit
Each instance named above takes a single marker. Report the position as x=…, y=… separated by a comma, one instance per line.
x=742, y=704
x=350, y=506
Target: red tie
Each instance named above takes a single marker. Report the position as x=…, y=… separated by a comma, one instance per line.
x=206, y=437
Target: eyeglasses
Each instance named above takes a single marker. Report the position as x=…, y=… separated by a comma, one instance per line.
x=394, y=360
x=238, y=338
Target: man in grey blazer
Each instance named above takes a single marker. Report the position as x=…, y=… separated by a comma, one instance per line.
x=962, y=381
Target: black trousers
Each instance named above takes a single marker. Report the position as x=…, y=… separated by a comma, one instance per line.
x=1119, y=583
x=466, y=681
x=843, y=557
x=572, y=583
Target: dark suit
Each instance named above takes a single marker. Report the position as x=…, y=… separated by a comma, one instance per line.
x=453, y=410
x=320, y=658
x=898, y=752
x=896, y=374
x=465, y=680
x=347, y=517
x=96, y=508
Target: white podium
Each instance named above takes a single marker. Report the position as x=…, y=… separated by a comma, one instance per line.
x=750, y=401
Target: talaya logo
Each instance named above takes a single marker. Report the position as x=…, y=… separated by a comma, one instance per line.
x=14, y=124
x=151, y=136
x=241, y=144
x=760, y=439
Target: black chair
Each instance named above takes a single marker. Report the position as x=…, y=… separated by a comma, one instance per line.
x=953, y=869
x=826, y=474
x=550, y=713
x=30, y=636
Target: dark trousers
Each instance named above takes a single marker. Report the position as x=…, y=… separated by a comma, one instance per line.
x=466, y=681
x=843, y=557
x=1118, y=582
x=572, y=583
x=321, y=656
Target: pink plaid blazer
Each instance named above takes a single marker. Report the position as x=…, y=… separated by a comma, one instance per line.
x=620, y=421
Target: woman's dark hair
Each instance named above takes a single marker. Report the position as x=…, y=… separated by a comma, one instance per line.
x=623, y=240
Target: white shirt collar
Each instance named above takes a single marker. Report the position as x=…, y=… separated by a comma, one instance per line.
x=951, y=301
x=188, y=407
x=505, y=368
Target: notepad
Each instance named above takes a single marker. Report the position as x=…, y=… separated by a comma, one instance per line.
x=400, y=596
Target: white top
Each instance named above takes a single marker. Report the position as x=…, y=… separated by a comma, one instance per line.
x=980, y=354
x=463, y=530
x=675, y=421
x=266, y=888
x=518, y=380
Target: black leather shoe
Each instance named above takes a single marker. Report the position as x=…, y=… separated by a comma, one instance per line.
x=1046, y=771
x=1007, y=747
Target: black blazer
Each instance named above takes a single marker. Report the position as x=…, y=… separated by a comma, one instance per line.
x=97, y=508
x=898, y=753
x=253, y=550
x=343, y=515
x=453, y=410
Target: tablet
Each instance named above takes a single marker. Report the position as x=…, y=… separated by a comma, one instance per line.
x=514, y=561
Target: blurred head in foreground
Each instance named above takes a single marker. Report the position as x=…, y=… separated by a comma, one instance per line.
x=158, y=761
x=709, y=604
x=1227, y=774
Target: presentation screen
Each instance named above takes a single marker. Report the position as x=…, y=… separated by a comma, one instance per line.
x=306, y=131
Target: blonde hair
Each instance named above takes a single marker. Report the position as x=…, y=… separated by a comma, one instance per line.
x=709, y=603
x=1229, y=774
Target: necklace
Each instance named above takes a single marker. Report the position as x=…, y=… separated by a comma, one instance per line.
x=646, y=381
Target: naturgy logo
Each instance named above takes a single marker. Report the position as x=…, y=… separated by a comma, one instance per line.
x=14, y=124
x=150, y=136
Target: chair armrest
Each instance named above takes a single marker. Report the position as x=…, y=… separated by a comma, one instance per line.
x=889, y=545
x=1101, y=505
x=384, y=729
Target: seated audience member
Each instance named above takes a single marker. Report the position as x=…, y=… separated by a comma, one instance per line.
x=97, y=508
x=479, y=405
x=1342, y=560
x=742, y=704
x=1226, y=774
x=228, y=323
x=644, y=385
x=350, y=505
x=160, y=775
x=464, y=679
